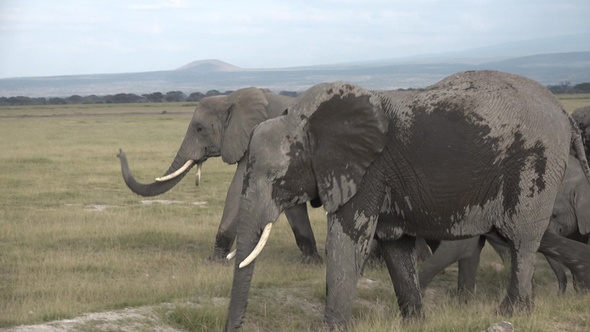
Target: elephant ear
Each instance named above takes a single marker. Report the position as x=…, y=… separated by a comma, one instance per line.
x=347, y=132
x=248, y=109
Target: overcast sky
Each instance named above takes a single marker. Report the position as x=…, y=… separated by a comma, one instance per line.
x=62, y=37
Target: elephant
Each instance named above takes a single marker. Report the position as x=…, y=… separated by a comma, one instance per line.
x=464, y=157
x=582, y=117
x=570, y=218
x=221, y=126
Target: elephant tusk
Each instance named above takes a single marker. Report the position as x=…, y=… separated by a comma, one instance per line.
x=179, y=171
x=259, y=246
x=231, y=255
x=198, y=178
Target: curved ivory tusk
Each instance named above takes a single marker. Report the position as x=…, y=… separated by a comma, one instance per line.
x=231, y=255
x=198, y=178
x=259, y=246
x=179, y=171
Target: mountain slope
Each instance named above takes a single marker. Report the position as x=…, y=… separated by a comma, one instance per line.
x=207, y=66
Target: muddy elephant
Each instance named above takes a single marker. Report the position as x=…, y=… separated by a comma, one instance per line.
x=582, y=117
x=464, y=157
x=570, y=218
x=221, y=126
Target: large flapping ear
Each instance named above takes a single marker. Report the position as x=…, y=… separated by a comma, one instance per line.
x=248, y=109
x=347, y=131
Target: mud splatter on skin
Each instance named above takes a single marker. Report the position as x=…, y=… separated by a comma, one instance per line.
x=299, y=186
x=516, y=159
x=452, y=155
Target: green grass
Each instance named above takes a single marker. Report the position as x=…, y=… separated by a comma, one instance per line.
x=74, y=239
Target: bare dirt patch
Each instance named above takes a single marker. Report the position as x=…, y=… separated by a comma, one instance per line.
x=126, y=320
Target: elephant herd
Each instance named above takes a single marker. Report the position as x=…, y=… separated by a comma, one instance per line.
x=481, y=156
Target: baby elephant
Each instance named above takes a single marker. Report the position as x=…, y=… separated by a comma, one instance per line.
x=570, y=218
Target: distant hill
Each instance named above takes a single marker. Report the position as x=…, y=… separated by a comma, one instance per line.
x=205, y=75
x=207, y=66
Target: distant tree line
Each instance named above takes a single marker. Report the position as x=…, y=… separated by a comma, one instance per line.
x=567, y=87
x=120, y=98
x=179, y=96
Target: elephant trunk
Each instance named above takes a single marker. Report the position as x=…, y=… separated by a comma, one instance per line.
x=157, y=187
x=246, y=243
x=570, y=253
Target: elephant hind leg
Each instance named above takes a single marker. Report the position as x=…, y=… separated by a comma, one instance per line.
x=400, y=258
x=519, y=297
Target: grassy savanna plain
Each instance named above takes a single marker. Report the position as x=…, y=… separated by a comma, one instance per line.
x=74, y=239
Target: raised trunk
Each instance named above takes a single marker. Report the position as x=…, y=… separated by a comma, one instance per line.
x=155, y=188
x=570, y=253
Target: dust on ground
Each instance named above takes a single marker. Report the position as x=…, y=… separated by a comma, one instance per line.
x=126, y=320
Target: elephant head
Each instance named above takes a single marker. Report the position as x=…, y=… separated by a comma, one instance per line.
x=571, y=211
x=291, y=160
x=220, y=126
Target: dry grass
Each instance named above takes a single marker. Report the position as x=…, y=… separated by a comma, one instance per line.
x=74, y=239
x=572, y=101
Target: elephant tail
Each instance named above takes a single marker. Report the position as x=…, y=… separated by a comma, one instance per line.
x=578, y=146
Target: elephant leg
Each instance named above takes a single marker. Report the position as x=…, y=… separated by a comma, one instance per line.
x=519, y=295
x=400, y=258
x=433, y=266
x=299, y=222
x=578, y=283
x=346, y=254
x=468, y=267
x=574, y=255
x=446, y=254
x=228, y=226
x=559, y=273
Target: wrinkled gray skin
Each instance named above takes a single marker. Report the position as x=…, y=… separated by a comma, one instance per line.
x=582, y=117
x=464, y=157
x=221, y=126
x=570, y=218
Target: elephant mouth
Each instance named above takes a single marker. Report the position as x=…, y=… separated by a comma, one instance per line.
x=256, y=251
x=189, y=163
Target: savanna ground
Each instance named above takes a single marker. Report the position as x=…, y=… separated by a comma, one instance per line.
x=74, y=240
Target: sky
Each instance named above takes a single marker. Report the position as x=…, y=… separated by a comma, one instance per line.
x=70, y=37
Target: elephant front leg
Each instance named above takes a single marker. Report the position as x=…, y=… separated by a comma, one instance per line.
x=345, y=258
x=299, y=220
x=400, y=258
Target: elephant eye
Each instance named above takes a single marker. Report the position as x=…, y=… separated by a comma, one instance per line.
x=199, y=128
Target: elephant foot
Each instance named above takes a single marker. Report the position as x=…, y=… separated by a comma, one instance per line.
x=311, y=259
x=465, y=295
x=216, y=259
x=509, y=308
x=580, y=285
x=219, y=256
x=412, y=314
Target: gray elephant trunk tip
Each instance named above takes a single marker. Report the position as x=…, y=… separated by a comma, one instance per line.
x=145, y=190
